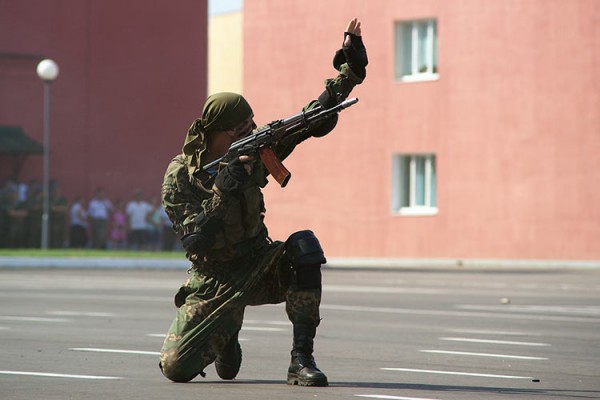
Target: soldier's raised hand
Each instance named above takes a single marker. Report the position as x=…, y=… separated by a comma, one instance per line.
x=353, y=50
x=352, y=29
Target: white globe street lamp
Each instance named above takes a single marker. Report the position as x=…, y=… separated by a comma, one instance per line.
x=47, y=70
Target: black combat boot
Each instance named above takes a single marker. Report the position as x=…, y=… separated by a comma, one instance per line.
x=228, y=362
x=303, y=370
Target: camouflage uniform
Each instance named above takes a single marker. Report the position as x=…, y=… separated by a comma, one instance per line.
x=243, y=267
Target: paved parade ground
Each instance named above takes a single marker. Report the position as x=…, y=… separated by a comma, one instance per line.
x=439, y=333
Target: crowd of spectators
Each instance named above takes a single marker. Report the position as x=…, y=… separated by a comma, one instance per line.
x=136, y=224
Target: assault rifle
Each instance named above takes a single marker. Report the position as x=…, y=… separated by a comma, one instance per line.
x=262, y=139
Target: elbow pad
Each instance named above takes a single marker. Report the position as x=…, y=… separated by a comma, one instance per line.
x=202, y=241
x=197, y=243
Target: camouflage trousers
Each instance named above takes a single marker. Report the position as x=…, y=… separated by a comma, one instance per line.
x=211, y=306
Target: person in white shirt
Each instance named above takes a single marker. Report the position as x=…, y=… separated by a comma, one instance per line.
x=99, y=211
x=137, y=211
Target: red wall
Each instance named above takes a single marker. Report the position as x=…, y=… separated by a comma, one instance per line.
x=132, y=78
x=514, y=121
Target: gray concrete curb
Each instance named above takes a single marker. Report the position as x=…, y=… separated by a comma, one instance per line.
x=351, y=263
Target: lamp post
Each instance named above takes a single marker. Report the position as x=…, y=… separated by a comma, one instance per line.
x=47, y=70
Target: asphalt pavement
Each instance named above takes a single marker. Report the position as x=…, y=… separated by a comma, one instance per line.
x=401, y=333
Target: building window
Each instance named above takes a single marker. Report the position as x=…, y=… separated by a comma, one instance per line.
x=414, y=184
x=416, y=50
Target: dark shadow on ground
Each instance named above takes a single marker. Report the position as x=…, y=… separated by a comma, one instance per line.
x=532, y=392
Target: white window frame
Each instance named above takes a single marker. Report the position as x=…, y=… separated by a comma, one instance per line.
x=415, y=75
x=399, y=187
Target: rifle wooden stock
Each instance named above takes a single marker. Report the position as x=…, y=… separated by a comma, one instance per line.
x=274, y=166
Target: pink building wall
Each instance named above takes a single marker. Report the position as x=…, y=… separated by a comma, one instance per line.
x=132, y=78
x=514, y=121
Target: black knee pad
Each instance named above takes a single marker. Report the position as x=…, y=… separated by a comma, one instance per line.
x=304, y=248
x=306, y=256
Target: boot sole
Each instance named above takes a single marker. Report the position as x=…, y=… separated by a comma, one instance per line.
x=293, y=379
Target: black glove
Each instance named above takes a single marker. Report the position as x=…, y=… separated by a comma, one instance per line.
x=232, y=178
x=355, y=55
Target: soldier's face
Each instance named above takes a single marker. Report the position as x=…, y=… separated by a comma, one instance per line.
x=245, y=128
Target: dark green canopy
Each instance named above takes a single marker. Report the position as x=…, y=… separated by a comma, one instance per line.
x=14, y=141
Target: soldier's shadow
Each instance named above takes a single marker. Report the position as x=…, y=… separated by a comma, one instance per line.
x=580, y=394
x=467, y=389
